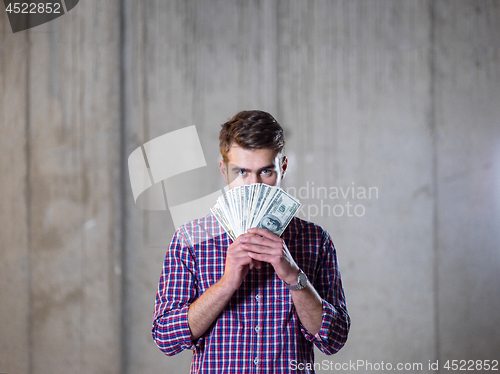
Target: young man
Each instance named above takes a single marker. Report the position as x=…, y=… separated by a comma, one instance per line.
x=257, y=304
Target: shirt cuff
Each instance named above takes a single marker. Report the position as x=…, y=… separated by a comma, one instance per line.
x=331, y=320
x=188, y=343
x=172, y=333
x=317, y=337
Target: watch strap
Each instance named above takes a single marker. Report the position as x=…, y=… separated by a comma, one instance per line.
x=301, y=282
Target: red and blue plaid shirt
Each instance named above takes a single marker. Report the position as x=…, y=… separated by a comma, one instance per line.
x=259, y=330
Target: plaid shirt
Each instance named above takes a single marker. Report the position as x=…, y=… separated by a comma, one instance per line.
x=259, y=330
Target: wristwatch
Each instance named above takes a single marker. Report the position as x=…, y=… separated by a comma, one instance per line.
x=301, y=282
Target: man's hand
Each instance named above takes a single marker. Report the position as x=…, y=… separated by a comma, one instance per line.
x=238, y=263
x=203, y=311
x=262, y=245
x=249, y=250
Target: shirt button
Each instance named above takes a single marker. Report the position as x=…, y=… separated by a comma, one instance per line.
x=257, y=297
x=257, y=329
x=256, y=361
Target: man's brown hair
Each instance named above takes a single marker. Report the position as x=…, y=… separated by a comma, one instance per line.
x=252, y=129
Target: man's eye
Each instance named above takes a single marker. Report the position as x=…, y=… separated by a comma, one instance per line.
x=241, y=172
x=266, y=171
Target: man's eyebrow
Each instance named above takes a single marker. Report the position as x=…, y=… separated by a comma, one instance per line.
x=270, y=166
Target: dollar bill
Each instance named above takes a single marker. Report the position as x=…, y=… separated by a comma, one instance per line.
x=255, y=205
x=219, y=214
x=278, y=213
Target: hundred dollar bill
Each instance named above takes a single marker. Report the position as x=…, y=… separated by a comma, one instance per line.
x=278, y=213
x=265, y=195
x=219, y=215
x=256, y=205
x=225, y=203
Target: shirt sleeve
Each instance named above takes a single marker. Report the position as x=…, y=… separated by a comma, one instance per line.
x=335, y=321
x=176, y=291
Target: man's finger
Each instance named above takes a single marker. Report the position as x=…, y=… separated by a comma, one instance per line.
x=264, y=250
x=262, y=257
x=265, y=233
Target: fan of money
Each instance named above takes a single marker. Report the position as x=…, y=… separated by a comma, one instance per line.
x=255, y=205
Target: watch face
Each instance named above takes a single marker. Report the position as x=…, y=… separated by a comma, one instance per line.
x=302, y=279
x=301, y=282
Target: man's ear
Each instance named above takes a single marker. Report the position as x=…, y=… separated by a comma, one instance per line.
x=223, y=170
x=284, y=165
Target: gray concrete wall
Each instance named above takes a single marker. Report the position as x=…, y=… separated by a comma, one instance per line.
x=60, y=288
x=399, y=99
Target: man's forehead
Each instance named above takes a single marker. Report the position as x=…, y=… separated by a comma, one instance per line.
x=238, y=153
